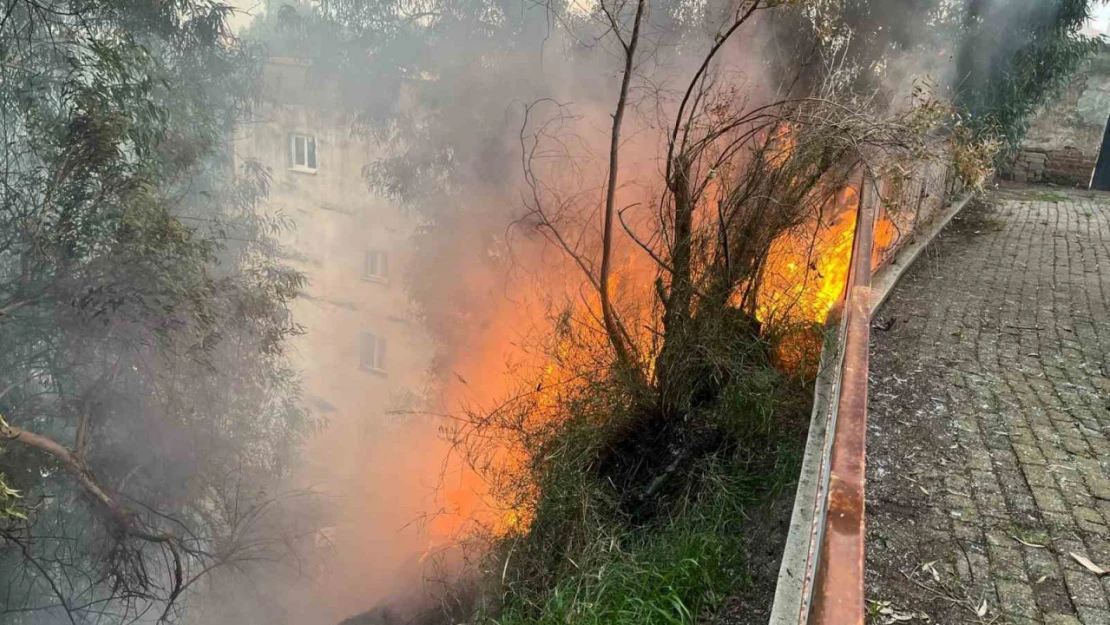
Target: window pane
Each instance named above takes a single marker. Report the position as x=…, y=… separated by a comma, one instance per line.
x=380, y=360
x=311, y=152
x=371, y=268
x=376, y=264
x=368, y=355
x=298, y=151
x=372, y=352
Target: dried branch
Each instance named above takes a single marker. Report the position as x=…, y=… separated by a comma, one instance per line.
x=742, y=16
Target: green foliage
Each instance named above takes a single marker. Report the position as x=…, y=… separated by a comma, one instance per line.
x=1010, y=56
x=1013, y=57
x=143, y=312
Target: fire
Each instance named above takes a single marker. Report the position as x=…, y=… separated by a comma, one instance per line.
x=806, y=270
x=528, y=359
x=884, y=234
x=802, y=281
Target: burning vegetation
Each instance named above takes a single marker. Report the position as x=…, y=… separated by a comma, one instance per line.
x=673, y=391
x=636, y=221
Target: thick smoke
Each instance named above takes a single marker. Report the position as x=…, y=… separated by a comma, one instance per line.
x=462, y=110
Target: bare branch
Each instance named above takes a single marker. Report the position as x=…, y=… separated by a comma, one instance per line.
x=743, y=17
x=617, y=335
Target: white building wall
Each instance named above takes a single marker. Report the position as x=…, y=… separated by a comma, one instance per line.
x=336, y=222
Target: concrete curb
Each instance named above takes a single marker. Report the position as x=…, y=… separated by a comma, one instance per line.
x=884, y=280
x=789, y=603
x=787, y=607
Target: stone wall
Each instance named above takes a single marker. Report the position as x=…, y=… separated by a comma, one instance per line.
x=1069, y=167
x=1064, y=138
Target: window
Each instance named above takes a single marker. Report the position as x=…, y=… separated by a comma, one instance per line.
x=373, y=352
x=302, y=151
x=376, y=266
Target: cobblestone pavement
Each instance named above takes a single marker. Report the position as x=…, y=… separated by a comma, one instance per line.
x=989, y=434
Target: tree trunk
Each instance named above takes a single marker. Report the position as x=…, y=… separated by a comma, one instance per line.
x=617, y=335
x=674, y=384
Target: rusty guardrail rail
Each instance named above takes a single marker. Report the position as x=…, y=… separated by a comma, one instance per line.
x=821, y=575
x=832, y=578
x=837, y=593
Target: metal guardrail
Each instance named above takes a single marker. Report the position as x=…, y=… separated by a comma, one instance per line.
x=837, y=593
x=821, y=576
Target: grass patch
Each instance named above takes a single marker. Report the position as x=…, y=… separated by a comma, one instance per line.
x=1027, y=535
x=677, y=569
x=1048, y=196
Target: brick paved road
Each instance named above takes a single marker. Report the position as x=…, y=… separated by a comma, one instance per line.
x=989, y=441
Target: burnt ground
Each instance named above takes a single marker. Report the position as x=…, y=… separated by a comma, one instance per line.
x=989, y=433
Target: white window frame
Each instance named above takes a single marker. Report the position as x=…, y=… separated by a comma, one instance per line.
x=306, y=166
x=379, y=364
x=380, y=271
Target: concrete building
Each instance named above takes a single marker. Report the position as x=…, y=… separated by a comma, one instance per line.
x=362, y=353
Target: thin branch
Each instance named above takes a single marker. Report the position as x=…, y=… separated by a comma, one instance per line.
x=744, y=16
x=617, y=336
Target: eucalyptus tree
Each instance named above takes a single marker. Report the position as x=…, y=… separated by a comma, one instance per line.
x=1013, y=56
x=145, y=399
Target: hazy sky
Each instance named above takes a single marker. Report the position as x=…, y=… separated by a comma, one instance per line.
x=244, y=11
x=1101, y=17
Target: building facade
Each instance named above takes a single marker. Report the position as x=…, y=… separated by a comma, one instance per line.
x=364, y=356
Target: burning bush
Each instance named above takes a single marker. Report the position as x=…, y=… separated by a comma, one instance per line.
x=624, y=466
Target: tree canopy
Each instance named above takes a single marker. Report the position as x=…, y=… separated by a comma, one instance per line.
x=145, y=399
x=1013, y=56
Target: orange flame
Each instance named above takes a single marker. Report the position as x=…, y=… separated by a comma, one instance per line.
x=806, y=270
x=802, y=281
